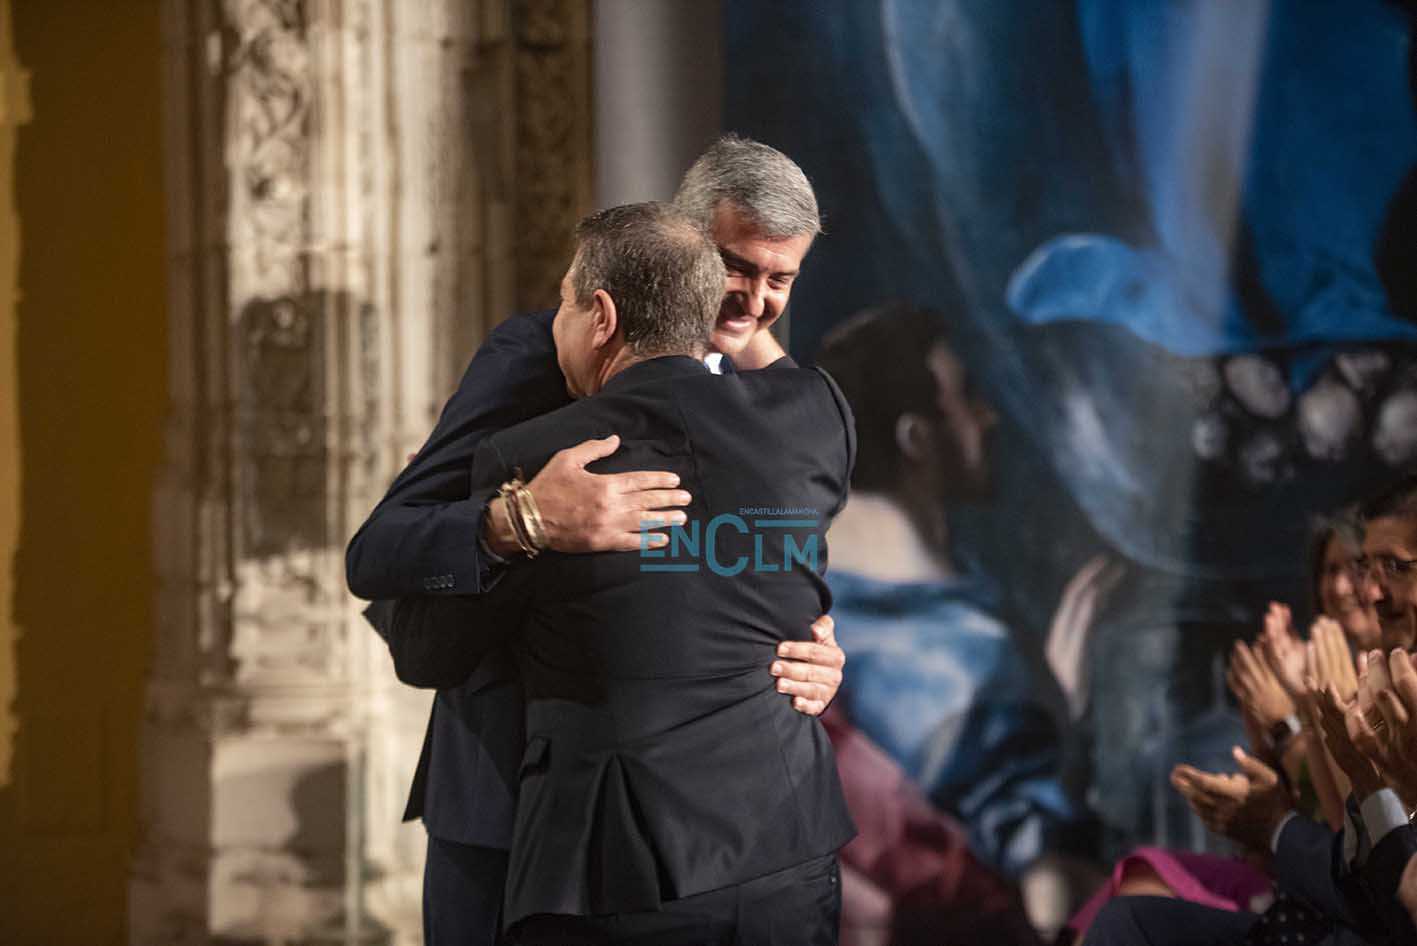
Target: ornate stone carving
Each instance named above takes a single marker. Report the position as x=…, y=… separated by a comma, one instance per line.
x=341, y=230
x=269, y=95
x=554, y=141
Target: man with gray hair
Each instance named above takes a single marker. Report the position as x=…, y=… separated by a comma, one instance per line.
x=422, y=537
x=761, y=211
x=667, y=794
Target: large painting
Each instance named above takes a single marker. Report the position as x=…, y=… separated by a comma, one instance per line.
x=1169, y=246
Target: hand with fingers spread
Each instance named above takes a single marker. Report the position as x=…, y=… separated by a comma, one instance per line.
x=810, y=671
x=1281, y=649
x=1381, y=724
x=1399, y=707
x=1245, y=806
x=1257, y=687
x=1329, y=661
x=1333, y=715
x=594, y=512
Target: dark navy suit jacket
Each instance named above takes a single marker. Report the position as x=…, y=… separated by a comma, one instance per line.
x=1378, y=880
x=1308, y=864
x=423, y=539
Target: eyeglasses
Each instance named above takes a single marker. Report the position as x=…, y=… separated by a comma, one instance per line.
x=1386, y=568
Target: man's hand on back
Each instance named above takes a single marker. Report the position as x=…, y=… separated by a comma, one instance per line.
x=810, y=671
x=593, y=512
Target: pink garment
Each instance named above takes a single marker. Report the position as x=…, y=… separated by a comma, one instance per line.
x=914, y=879
x=1225, y=883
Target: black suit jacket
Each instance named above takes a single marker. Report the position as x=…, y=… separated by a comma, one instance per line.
x=422, y=539
x=1308, y=864
x=1378, y=881
x=661, y=761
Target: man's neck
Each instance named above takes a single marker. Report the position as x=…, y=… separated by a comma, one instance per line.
x=626, y=357
x=874, y=537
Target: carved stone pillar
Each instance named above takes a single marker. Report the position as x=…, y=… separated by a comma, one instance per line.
x=344, y=202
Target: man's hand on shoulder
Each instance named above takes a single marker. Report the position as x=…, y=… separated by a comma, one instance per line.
x=594, y=512
x=810, y=671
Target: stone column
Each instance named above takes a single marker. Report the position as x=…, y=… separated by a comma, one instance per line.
x=357, y=191
x=340, y=184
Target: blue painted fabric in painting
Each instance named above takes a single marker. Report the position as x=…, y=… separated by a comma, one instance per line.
x=1287, y=127
x=1103, y=197
x=936, y=680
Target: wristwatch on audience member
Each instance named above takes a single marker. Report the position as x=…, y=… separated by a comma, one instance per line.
x=1281, y=732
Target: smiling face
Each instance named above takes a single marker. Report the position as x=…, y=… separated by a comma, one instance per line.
x=1340, y=593
x=1393, y=596
x=761, y=272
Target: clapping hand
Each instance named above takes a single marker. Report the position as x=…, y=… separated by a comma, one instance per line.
x=1329, y=661
x=1382, y=724
x=1282, y=649
x=1245, y=806
x=1257, y=687
x=1333, y=715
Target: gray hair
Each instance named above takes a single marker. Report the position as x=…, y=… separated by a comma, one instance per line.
x=763, y=184
x=660, y=268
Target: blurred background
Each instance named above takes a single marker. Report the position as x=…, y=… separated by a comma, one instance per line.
x=247, y=248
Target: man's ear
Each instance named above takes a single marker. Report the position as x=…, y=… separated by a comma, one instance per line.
x=912, y=436
x=606, y=319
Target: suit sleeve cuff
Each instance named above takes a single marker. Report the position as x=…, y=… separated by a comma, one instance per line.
x=490, y=565
x=1382, y=813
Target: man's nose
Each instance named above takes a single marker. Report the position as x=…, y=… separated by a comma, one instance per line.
x=1370, y=588
x=755, y=298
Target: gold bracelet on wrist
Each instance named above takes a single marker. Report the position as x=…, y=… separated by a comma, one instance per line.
x=510, y=492
x=531, y=518
x=514, y=500
x=507, y=512
x=509, y=502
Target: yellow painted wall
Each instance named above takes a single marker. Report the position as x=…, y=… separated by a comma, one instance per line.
x=91, y=360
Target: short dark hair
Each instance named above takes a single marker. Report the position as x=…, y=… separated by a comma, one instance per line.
x=878, y=359
x=1398, y=499
x=662, y=270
